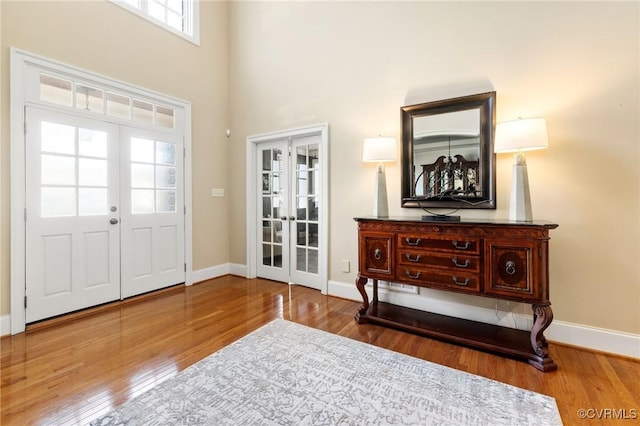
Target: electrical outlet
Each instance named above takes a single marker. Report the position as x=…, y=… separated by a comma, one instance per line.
x=217, y=192
x=346, y=266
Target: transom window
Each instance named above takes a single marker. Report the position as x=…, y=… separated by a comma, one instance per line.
x=90, y=97
x=178, y=16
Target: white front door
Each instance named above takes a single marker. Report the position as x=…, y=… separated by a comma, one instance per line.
x=289, y=196
x=72, y=188
x=152, y=211
x=104, y=212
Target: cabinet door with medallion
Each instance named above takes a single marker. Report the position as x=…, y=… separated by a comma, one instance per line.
x=377, y=254
x=513, y=271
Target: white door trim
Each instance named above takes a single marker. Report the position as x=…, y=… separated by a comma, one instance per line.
x=251, y=196
x=20, y=60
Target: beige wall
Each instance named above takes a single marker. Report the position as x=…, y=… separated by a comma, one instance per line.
x=353, y=65
x=101, y=37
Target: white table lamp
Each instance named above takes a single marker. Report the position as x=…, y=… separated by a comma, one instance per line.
x=519, y=136
x=380, y=150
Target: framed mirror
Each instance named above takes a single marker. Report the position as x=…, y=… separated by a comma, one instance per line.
x=447, y=153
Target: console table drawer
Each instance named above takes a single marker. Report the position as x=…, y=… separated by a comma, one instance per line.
x=427, y=277
x=450, y=243
x=452, y=262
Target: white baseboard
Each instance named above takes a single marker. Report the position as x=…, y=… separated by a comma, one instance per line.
x=211, y=272
x=620, y=343
x=238, y=269
x=218, y=271
x=600, y=339
x=5, y=325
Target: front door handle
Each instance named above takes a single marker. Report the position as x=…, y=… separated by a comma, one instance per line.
x=113, y=221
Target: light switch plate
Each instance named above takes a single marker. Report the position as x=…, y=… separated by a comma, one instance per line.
x=217, y=192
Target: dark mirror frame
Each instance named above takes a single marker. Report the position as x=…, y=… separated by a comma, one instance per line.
x=487, y=167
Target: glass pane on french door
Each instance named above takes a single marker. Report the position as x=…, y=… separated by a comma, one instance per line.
x=273, y=215
x=272, y=203
x=307, y=191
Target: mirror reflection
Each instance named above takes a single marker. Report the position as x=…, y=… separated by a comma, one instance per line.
x=447, y=153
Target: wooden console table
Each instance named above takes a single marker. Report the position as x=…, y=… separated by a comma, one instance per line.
x=502, y=260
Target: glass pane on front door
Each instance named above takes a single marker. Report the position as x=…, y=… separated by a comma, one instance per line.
x=153, y=176
x=73, y=171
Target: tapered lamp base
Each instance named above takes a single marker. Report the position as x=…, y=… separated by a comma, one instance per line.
x=520, y=204
x=381, y=203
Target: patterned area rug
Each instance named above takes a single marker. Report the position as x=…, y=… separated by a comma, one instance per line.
x=288, y=374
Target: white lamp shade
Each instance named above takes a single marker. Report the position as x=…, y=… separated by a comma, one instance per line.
x=521, y=135
x=379, y=149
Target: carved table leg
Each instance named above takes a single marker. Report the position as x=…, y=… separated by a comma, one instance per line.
x=360, y=283
x=375, y=292
x=542, y=317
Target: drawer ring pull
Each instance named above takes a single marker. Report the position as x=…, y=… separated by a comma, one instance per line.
x=510, y=267
x=461, y=246
x=461, y=265
x=413, y=259
x=377, y=254
x=466, y=281
x=415, y=277
x=415, y=242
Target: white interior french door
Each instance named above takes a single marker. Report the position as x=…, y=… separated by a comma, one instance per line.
x=289, y=196
x=104, y=212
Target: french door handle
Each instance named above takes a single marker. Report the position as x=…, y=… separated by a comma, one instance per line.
x=113, y=221
x=283, y=218
x=292, y=218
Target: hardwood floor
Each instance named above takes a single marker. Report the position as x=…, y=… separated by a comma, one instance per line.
x=70, y=372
